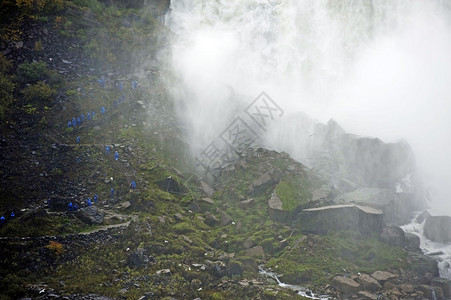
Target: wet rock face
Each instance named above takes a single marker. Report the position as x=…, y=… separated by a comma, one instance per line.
x=393, y=235
x=438, y=229
x=340, y=217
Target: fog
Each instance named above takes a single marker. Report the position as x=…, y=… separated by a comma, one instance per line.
x=379, y=68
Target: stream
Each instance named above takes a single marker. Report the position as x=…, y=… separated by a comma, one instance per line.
x=305, y=292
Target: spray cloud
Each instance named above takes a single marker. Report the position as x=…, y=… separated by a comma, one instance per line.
x=380, y=68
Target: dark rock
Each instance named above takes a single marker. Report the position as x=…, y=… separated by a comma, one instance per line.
x=57, y=203
x=210, y=219
x=217, y=268
x=423, y=216
x=90, y=215
x=234, y=268
x=438, y=229
x=428, y=291
x=390, y=203
x=139, y=259
x=35, y=213
x=333, y=218
x=412, y=241
x=261, y=184
x=427, y=278
x=246, y=204
x=171, y=185
x=194, y=207
x=225, y=218
x=444, y=284
x=423, y=264
x=393, y=235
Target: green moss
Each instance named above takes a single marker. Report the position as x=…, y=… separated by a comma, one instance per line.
x=293, y=191
x=318, y=258
x=183, y=227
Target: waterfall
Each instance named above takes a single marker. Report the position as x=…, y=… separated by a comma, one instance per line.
x=434, y=297
x=440, y=251
x=379, y=68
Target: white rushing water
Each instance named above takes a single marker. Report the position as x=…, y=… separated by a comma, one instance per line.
x=380, y=68
x=440, y=251
x=305, y=292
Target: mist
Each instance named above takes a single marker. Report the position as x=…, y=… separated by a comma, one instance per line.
x=379, y=68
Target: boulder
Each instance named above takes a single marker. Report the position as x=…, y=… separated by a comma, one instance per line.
x=261, y=184
x=393, y=235
x=368, y=283
x=333, y=218
x=206, y=188
x=139, y=259
x=246, y=204
x=234, y=268
x=391, y=204
x=407, y=288
x=90, y=215
x=164, y=272
x=57, y=203
x=412, y=241
x=431, y=291
x=274, y=202
x=256, y=252
x=423, y=264
x=225, y=219
x=207, y=200
x=367, y=295
x=210, y=219
x=345, y=285
x=438, y=229
x=444, y=284
x=35, y=213
x=248, y=243
x=427, y=278
x=382, y=275
x=125, y=205
x=194, y=207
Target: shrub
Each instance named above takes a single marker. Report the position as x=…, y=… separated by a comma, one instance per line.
x=32, y=72
x=5, y=65
x=38, y=46
x=7, y=87
x=55, y=247
x=54, y=78
x=39, y=92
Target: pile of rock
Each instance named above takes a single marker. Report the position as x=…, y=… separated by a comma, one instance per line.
x=386, y=285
